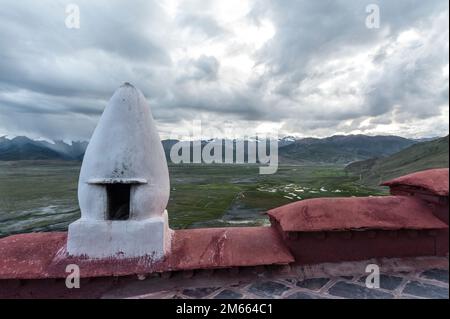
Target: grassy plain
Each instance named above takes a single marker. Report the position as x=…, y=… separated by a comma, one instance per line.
x=42, y=195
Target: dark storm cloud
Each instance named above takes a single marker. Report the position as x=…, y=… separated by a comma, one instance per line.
x=40, y=54
x=310, y=76
x=212, y=99
x=66, y=71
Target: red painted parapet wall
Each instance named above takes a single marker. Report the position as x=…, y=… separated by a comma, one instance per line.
x=412, y=222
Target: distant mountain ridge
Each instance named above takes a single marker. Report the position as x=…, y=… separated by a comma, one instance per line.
x=338, y=149
x=24, y=148
x=343, y=149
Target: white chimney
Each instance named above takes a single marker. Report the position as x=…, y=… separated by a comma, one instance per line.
x=124, y=185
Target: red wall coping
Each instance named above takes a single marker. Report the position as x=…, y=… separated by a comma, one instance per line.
x=43, y=255
x=433, y=180
x=337, y=214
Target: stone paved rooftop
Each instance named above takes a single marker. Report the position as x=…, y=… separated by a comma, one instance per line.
x=396, y=282
x=405, y=278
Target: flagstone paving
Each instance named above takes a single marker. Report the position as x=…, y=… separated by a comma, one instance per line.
x=400, y=286
x=405, y=283
x=414, y=278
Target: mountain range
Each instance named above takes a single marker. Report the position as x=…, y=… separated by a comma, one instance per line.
x=24, y=148
x=342, y=149
x=338, y=149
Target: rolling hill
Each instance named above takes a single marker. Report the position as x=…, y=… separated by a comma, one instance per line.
x=340, y=149
x=420, y=156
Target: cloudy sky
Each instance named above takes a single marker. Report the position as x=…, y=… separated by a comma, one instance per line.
x=306, y=68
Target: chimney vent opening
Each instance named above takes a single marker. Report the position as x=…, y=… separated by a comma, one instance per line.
x=118, y=205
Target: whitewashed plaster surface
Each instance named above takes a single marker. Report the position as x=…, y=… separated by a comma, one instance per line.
x=125, y=148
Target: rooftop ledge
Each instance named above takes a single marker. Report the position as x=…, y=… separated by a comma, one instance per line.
x=43, y=255
x=434, y=181
x=356, y=213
